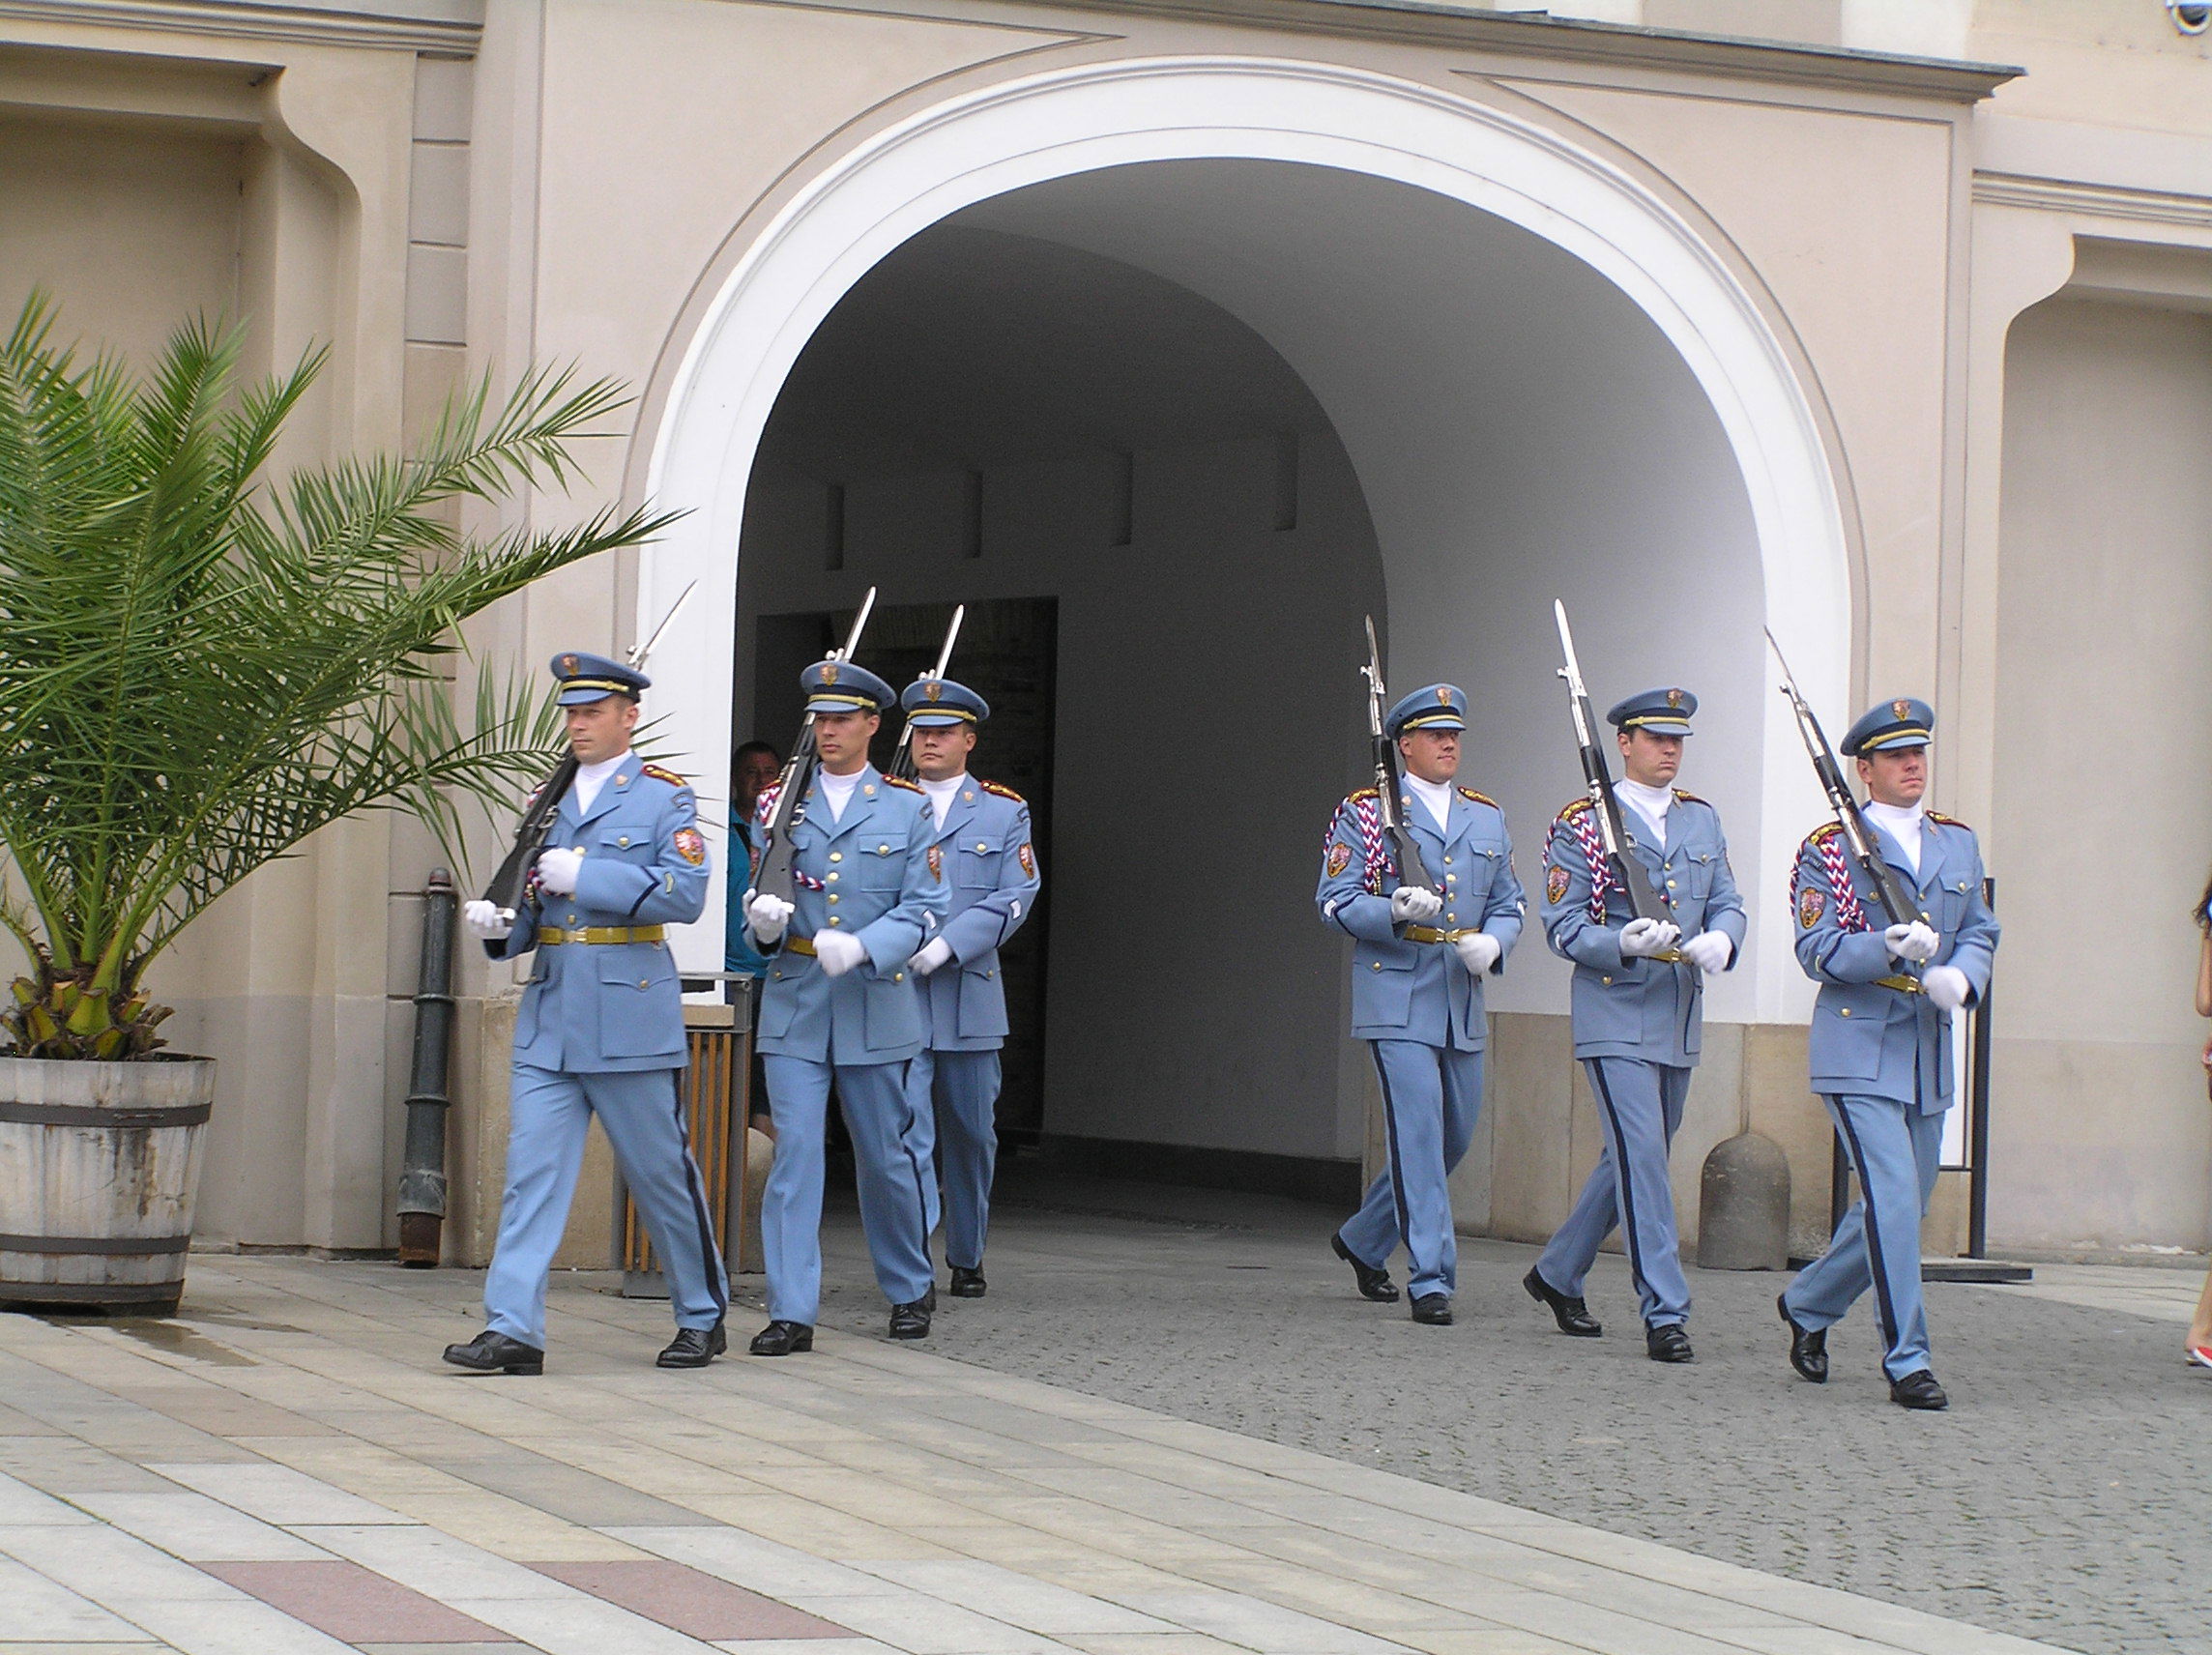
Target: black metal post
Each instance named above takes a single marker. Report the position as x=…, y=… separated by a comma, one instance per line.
x=422, y=1172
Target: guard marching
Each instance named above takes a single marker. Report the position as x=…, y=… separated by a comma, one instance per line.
x=1637, y=1010
x=1881, y=1036
x=840, y=1004
x=980, y=833
x=1422, y=947
x=601, y=1028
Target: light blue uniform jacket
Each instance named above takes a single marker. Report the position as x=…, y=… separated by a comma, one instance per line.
x=871, y=876
x=991, y=875
x=596, y=1008
x=1420, y=991
x=1649, y=1009
x=1870, y=1041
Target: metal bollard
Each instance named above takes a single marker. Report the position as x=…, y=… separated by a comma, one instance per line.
x=422, y=1169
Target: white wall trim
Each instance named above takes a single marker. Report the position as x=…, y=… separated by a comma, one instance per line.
x=1030, y=131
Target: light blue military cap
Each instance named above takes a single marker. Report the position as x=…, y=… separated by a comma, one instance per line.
x=1433, y=706
x=840, y=687
x=1662, y=712
x=1901, y=723
x=593, y=677
x=937, y=704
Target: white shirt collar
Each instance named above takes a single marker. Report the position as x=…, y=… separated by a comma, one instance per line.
x=941, y=794
x=1903, y=823
x=590, y=778
x=838, y=790
x=1435, y=796
x=1650, y=803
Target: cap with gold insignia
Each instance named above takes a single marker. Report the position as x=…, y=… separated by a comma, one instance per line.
x=593, y=677
x=1432, y=707
x=937, y=704
x=840, y=687
x=1889, y=724
x=1662, y=712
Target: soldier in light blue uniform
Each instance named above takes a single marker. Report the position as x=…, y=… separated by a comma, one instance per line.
x=982, y=832
x=1638, y=1017
x=1882, y=1038
x=601, y=1028
x=839, y=1003
x=1417, y=967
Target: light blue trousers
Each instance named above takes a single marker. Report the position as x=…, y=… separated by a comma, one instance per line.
x=954, y=1096
x=873, y=1099
x=1639, y=1106
x=1431, y=1099
x=1897, y=1152
x=643, y=1115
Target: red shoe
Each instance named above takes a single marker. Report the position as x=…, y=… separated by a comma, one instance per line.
x=2200, y=1355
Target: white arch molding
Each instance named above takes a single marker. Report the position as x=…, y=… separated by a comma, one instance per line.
x=1050, y=126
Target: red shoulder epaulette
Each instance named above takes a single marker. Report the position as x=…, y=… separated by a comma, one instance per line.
x=668, y=776
x=1687, y=796
x=1480, y=798
x=1004, y=792
x=1947, y=821
x=901, y=781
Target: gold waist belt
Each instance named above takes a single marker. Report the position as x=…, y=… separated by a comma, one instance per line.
x=1430, y=934
x=798, y=944
x=1901, y=983
x=549, y=935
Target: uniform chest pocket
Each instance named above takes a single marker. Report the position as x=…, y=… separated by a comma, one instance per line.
x=1470, y=870
x=976, y=860
x=1695, y=872
x=631, y=844
x=636, y=967
x=882, y=864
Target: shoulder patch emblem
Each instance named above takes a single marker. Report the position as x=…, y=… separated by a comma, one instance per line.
x=1555, y=885
x=1027, y=856
x=1812, y=903
x=668, y=776
x=1004, y=792
x=1339, y=858
x=691, y=846
x=1469, y=792
x=901, y=781
x=937, y=861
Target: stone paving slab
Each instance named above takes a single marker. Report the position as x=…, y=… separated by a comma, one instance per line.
x=256, y=1476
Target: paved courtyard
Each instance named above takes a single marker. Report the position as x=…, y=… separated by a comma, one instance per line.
x=1169, y=1431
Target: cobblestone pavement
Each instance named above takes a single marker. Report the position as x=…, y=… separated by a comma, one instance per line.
x=2061, y=1497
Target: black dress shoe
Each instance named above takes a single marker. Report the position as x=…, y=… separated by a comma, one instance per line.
x=1919, y=1390
x=490, y=1352
x=782, y=1339
x=1374, y=1284
x=693, y=1347
x=1571, y=1314
x=928, y=1299
x=1433, y=1310
x=1807, y=1345
x=968, y=1284
x=1669, y=1341
x=910, y=1320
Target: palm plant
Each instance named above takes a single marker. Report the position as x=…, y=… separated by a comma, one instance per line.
x=198, y=669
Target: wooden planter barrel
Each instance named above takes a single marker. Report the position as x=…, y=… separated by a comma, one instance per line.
x=99, y=1166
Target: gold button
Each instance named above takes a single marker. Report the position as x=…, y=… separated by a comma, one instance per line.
x=883, y=850
x=981, y=847
x=898, y=976
x=1847, y=1012
x=1447, y=861
x=831, y=880
x=623, y=840
x=641, y=982
x=1451, y=878
x=836, y=855
x=834, y=920
x=869, y=789
x=1608, y=982
x=1374, y=965
x=833, y=896
x=1670, y=884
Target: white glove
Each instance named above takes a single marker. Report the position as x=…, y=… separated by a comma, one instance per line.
x=767, y=916
x=487, y=922
x=557, y=869
x=1641, y=938
x=1708, y=950
x=1947, y=986
x=933, y=954
x=1409, y=902
x=1913, y=941
x=839, y=951
x=1477, y=952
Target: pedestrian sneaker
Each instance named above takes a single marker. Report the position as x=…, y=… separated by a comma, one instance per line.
x=2200, y=1355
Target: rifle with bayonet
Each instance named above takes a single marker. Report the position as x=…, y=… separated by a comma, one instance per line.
x=902, y=755
x=1643, y=899
x=1389, y=785
x=1896, y=901
x=511, y=882
x=773, y=876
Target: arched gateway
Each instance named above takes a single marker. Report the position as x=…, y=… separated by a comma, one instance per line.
x=1543, y=379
